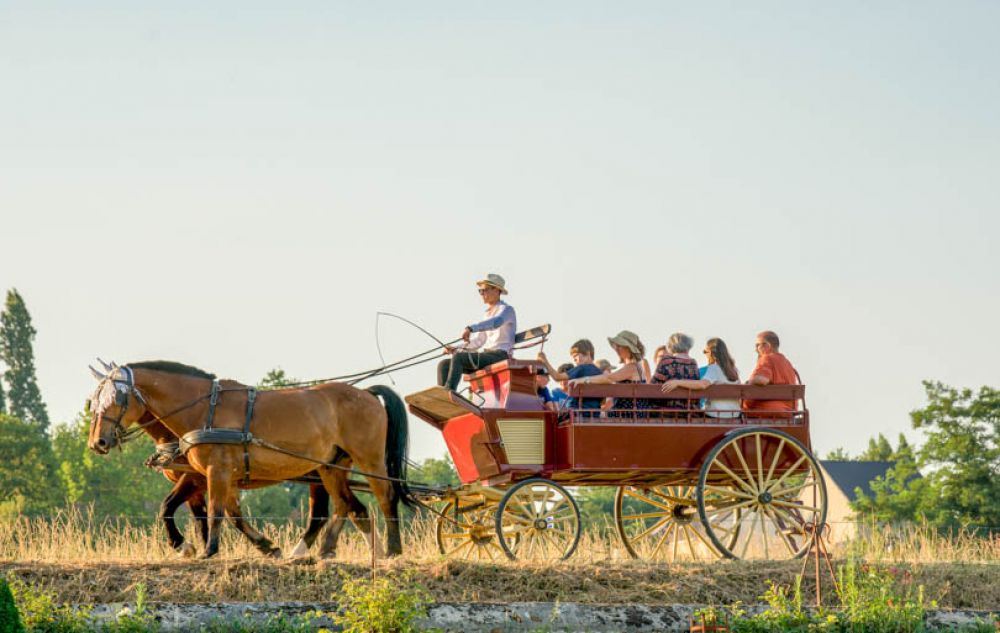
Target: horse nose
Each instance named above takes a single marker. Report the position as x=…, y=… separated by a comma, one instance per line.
x=100, y=445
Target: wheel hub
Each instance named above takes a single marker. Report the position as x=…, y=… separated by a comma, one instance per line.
x=683, y=514
x=765, y=497
x=540, y=524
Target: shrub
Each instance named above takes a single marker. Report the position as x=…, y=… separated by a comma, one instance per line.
x=382, y=605
x=10, y=619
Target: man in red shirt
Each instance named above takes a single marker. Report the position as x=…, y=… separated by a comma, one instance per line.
x=772, y=369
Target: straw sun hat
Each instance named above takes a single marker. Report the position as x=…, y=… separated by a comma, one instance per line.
x=494, y=280
x=627, y=339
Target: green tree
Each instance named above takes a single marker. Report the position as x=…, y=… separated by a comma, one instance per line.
x=27, y=483
x=838, y=455
x=961, y=454
x=435, y=472
x=275, y=379
x=879, y=450
x=10, y=619
x=901, y=494
x=16, y=336
x=114, y=484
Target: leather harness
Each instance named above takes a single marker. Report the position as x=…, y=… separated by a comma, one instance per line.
x=212, y=435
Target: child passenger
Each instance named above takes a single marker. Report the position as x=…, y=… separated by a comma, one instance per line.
x=582, y=353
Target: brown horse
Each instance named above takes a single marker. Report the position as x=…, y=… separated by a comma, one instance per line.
x=191, y=488
x=332, y=425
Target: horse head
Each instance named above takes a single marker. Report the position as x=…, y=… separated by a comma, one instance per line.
x=114, y=406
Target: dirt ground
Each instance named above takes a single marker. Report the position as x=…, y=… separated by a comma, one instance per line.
x=969, y=586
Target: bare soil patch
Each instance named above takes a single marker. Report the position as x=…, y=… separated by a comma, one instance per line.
x=952, y=585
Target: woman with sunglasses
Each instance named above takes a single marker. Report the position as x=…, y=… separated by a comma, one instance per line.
x=721, y=370
x=486, y=342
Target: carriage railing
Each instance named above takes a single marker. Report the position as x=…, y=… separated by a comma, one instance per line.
x=650, y=404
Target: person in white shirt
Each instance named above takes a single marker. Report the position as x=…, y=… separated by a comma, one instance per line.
x=721, y=370
x=486, y=342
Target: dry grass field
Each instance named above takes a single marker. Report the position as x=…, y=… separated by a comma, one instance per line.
x=85, y=560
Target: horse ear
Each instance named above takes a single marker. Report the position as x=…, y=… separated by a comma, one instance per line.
x=107, y=367
x=96, y=373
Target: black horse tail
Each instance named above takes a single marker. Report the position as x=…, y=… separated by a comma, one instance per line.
x=396, y=441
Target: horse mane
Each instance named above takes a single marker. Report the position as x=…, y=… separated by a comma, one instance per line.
x=172, y=368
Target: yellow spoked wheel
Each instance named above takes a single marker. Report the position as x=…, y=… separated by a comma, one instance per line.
x=758, y=492
x=470, y=534
x=538, y=520
x=662, y=523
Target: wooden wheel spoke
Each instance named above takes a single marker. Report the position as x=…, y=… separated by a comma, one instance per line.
x=751, y=480
x=746, y=543
x=729, y=492
x=648, y=500
x=704, y=540
x=734, y=506
x=788, y=504
x=763, y=533
x=774, y=462
x=760, y=463
x=781, y=532
x=454, y=535
x=663, y=539
x=736, y=478
x=645, y=515
x=787, y=491
x=651, y=529
x=687, y=537
x=791, y=469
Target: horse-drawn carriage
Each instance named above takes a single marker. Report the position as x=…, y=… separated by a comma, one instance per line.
x=691, y=482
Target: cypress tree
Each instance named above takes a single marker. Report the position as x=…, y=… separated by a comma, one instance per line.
x=16, y=336
x=10, y=619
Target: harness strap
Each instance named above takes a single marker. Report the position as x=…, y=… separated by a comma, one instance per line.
x=213, y=400
x=251, y=399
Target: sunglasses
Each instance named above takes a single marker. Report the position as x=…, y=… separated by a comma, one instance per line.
x=483, y=291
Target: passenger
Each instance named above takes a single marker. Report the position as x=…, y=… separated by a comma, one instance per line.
x=559, y=393
x=605, y=366
x=542, y=384
x=582, y=353
x=660, y=352
x=721, y=370
x=772, y=369
x=630, y=352
x=676, y=364
x=494, y=336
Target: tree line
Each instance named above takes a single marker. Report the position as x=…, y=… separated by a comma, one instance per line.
x=952, y=479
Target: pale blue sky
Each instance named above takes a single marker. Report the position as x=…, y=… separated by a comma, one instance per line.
x=243, y=185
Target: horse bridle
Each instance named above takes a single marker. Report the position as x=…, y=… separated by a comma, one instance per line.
x=125, y=387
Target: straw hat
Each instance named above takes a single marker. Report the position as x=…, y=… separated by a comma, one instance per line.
x=627, y=339
x=494, y=280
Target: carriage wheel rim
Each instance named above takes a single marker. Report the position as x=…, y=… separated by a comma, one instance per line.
x=666, y=526
x=538, y=519
x=771, y=504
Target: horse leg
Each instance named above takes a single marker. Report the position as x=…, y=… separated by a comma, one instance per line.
x=220, y=488
x=332, y=482
x=385, y=493
x=319, y=514
x=182, y=491
x=259, y=541
x=199, y=510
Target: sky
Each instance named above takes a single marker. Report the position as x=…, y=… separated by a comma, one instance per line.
x=243, y=185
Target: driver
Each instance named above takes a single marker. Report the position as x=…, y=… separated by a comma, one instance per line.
x=484, y=343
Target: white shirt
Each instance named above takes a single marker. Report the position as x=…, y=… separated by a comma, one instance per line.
x=496, y=331
x=730, y=408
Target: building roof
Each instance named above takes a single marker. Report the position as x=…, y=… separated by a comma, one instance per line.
x=851, y=475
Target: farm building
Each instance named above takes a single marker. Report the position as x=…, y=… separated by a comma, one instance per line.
x=843, y=479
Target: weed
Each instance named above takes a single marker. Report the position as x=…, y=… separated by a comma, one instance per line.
x=381, y=605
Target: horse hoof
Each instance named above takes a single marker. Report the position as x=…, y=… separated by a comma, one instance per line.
x=300, y=550
x=186, y=550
